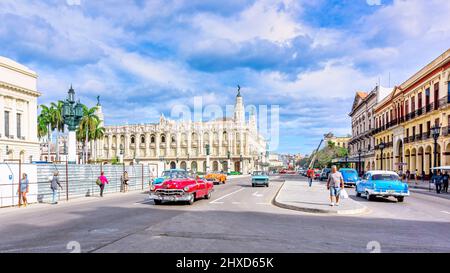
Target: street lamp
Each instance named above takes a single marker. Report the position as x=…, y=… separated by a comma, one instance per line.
x=436, y=131
x=359, y=161
x=382, y=145
x=72, y=114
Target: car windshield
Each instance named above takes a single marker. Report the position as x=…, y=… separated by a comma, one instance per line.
x=258, y=173
x=175, y=174
x=348, y=172
x=385, y=177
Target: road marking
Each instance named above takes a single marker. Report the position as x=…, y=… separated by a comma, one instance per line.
x=235, y=203
x=262, y=203
x=257, y=195
x=443, y=211
x=215, y=201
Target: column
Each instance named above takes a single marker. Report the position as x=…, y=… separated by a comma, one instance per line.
x=168, y=143
x=178, y=148
x=13, y=119
x=2, y=116
x=147, y=144
x=157, y=143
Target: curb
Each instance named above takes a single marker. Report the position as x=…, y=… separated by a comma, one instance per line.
x=317, y=211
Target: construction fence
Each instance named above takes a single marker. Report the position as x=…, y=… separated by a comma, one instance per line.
x=76, y=180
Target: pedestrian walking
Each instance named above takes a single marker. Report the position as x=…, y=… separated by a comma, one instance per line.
x=423, y=177
x=310, y=174
x=408, y=174
x=24, y=188
x=54, y=183
x=335, y=184
x=414, y=176
x=125, y=180
x=445, y=182
x=101, y=182
x=437, y=180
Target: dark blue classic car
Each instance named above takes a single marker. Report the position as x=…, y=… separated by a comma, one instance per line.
x=382, y=183
x=350, y=176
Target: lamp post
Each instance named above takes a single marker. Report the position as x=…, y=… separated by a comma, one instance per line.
x=436, y=130
x=228, y=161
x=382, y=145
x=72, y=114
x=207, y=158
x=359, y=161
x=241, y=164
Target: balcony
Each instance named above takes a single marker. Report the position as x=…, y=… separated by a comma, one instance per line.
x=445, y=131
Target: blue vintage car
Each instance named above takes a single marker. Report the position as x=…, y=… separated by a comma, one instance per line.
x=260, y=178
x=350, y=176
x=382, y=183
x=167, y=174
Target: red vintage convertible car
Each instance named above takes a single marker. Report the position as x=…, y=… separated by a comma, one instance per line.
x=180, y=185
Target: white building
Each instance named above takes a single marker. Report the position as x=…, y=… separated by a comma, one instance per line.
x=234, y=143
x=363, y=127
x=18, y=112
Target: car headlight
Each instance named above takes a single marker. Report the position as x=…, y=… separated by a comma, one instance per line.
x=152, y=188
x=186, y=188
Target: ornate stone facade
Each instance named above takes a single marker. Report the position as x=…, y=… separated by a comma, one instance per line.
x=234, y=143
x=18, y=112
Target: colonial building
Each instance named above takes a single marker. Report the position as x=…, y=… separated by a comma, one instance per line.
x=18, y=112
x=228, y=144
x=362, y=142
x=341, y=141
x=404, y=120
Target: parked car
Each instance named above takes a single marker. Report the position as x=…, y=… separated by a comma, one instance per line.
x=324, y=174
x=181, y=186
x=350, y=176
x=234, y=173
x=382, y=183
x=260, y=178
x=317, y=174
x=216, y=177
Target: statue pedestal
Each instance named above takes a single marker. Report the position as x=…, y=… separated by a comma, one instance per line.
x=72, y=148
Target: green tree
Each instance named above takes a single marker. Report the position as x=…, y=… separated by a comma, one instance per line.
x=98, y=133
x=45, y=122
x=57, y=122
x=88, y=124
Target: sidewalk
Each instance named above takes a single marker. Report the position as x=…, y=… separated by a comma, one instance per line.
x=297, y=195
x=418, y=184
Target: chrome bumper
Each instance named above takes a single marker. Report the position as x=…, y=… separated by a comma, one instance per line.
x=385, y=193
x=163, y=197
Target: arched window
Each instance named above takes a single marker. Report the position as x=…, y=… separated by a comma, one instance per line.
x=132, y=140
x=152, y=139
x=142, y=139
x=173, y=139
x=163, y=139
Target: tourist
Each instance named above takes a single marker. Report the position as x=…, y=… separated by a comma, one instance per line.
x=103, y=181
x=125, y=180
x=408, y=174
x=310, y=174
x=335, y=184
x=437, y=180
x=54, y=183
x=445, y=182
x=24, y=188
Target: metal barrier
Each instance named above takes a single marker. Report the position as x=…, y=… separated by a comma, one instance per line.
x=76, y=180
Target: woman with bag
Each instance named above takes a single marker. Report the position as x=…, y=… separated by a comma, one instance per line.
x=101, y=181
x=24, y=188
x=125, y=180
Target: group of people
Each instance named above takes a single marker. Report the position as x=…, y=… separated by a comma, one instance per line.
x=440, y=180
x=335, y=183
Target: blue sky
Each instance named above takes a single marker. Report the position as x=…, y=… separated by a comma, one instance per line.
x=143, y=57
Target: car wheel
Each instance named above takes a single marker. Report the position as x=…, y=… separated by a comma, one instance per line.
x=358, y=194
x=191, y=200
x=369, y=196
x=157, y=202
x=208, y=196
x=400, y=199
x=253, y=185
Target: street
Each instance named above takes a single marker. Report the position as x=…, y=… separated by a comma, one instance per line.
x=238, y=218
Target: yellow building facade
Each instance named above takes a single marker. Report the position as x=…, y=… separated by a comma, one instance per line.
x=404, y=121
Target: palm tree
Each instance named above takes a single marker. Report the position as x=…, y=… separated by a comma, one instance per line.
x=88, y=124
x=45, y=121
x=58, y=122
x=97, y=134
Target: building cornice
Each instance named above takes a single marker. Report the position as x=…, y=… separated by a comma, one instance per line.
x=19, y=89
x=22, y=71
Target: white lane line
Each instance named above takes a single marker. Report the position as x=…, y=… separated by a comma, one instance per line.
x=262, y=203
x=235, y=203
x=443, y=211
x=215, y=201
x=257, y=195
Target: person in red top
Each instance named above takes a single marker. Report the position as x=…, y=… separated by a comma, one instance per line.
x=103, y=181
x=310, y=174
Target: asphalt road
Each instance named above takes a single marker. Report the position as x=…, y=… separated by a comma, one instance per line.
x=238, y=218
